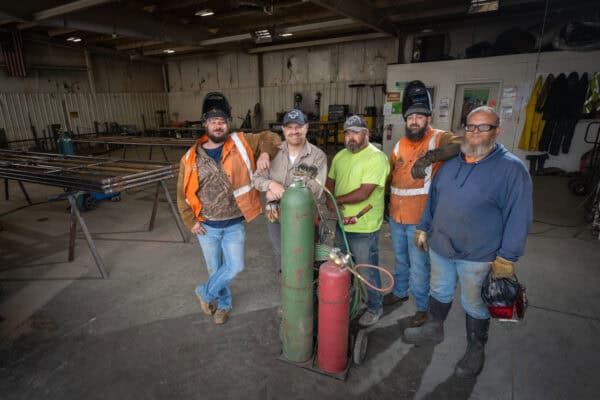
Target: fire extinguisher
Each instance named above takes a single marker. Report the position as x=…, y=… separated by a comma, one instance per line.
x=388, y=132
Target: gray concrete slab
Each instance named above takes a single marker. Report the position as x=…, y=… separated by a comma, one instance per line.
x=64, y=334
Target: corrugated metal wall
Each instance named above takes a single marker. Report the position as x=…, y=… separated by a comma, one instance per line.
x=325, y=69
x=43, y=109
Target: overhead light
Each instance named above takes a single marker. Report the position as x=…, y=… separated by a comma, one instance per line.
x=263, y=36
x=481, y=6
x=285, y=34
x=205, y=13
x=75, y=39
x=169, y=51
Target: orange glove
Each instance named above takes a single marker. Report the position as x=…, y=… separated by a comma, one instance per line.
x=502, y=268
x=421, y=240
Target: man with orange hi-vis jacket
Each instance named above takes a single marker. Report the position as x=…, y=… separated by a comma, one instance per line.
x=215, y=194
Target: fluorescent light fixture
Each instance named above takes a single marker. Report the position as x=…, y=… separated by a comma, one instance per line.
x=263, y=36
x=481, y=6
x=285, y=34
x=75, y=39
x=169, y=51
x=205, y=13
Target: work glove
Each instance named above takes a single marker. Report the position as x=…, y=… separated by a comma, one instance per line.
x=421, y=240
x=502, y=268
x=272, y=211
x=442, y=153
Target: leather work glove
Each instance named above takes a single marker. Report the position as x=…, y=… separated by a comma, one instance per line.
x=272, y=211
x=502, y=268
x=442, y=153
x=421, y=241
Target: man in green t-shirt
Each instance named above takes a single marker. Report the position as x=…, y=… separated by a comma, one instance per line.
x=357, y=179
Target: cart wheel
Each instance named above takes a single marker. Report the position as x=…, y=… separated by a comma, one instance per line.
x=115, y=198
x=360, y=346
x=89, y=202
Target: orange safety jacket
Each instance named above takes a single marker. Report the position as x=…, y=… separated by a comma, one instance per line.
x=408, y=196
x=238, y=163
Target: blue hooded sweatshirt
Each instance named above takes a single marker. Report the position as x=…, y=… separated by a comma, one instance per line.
x=477, y=211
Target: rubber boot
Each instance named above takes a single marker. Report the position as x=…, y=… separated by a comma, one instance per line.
x=432, y=331
x=477, y=335
x=540, y=163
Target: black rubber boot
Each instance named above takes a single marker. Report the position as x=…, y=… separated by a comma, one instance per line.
x=432, y=331
x=477, y=335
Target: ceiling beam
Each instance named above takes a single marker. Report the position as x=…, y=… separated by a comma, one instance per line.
x=60, y=31
x=137, y=44
x=361, y=11
x=320, y=42
x=68, y=8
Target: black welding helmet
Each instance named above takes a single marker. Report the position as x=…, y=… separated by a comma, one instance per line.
x=416, y=99
x=215, y=104
x=503, y=296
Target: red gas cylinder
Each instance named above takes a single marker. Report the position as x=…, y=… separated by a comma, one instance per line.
x=334, y=319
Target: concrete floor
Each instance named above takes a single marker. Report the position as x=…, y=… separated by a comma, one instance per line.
x=65, y=334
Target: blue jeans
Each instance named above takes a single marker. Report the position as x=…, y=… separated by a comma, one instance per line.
x=412, y=265
x=223, y=250
x=444, y=275
x=365, y=250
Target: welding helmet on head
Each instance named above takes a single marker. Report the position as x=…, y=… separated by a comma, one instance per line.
x=416, y=99
x=215, y=104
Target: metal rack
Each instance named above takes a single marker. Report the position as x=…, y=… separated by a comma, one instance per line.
x=80, y=175
x=146, y=141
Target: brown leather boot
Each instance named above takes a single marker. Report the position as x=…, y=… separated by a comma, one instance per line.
x=418, y=319
x=221, y=316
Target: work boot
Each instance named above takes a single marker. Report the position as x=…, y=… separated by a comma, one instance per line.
x=432, y=331
x=477, y=335
x=221, y=316
x=391, y=298
x=206, y=307
x=370, y=318
x=418, y=319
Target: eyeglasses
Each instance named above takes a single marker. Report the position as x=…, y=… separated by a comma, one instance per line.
x=480, y=127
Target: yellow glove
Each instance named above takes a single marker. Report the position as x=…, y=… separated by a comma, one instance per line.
x=421, y=240
x=502, y=268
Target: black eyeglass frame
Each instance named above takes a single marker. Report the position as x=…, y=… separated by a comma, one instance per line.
x=480, y=128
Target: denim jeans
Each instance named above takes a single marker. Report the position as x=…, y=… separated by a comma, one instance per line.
x=223, y=250
x=446, y=272
x=412, y=265
x=365, y=250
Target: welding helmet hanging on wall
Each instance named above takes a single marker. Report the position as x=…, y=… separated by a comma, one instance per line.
x=416, y=99
x=215, y=105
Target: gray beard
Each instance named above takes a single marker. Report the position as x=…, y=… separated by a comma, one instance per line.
x=416, y=136
x=355, y=148
x=480, y=150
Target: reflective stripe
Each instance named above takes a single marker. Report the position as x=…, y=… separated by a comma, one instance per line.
x=427, y=180
x=240, y=146
x=242, y=190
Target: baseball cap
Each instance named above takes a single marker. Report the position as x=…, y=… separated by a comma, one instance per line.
x=355, y=123
x=294, y=117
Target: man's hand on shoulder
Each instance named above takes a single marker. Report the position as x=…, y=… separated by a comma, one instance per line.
x=264, y=162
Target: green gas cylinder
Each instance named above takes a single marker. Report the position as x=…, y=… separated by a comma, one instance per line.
x=297, y=209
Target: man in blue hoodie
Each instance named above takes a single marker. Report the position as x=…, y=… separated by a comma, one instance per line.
x=477, y=217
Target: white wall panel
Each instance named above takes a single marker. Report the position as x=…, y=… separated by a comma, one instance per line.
x=47, y=108
x=508, y=71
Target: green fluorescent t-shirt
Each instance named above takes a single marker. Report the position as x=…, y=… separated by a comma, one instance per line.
x=350, y=170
